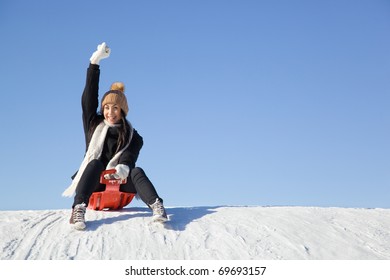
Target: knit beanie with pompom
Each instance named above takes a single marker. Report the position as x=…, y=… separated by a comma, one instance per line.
x=116, y=95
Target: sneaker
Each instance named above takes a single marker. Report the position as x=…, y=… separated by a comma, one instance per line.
x=159, y=214
x=77, y=219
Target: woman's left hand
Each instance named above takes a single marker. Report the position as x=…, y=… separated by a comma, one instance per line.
x=122, y=171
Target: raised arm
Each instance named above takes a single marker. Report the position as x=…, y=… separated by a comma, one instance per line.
x=90, y=97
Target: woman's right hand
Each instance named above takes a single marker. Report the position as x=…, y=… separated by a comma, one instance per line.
x=103, y=51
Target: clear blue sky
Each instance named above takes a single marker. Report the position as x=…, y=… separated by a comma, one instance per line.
x=239, y=102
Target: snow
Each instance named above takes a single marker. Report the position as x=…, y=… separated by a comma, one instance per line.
x=199, y=233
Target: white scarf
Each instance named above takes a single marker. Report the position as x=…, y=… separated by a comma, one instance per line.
x=94, y=151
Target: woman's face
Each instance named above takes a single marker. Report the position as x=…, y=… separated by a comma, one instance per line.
x=112, y=113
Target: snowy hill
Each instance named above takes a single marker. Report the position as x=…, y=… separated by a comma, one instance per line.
x=199, y=233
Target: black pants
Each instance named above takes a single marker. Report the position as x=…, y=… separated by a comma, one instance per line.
x=137, y=182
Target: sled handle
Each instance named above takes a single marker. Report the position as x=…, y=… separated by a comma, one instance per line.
x=110, y=181
x=108, y=171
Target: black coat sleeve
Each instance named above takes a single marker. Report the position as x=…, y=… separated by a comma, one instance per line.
x=130, y=155
x=90, y=98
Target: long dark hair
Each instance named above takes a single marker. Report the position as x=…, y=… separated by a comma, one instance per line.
x=124, y=133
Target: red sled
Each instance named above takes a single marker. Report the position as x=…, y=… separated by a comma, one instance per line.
x=111, y=198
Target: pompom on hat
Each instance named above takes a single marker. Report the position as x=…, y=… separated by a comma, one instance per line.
x=117, y=96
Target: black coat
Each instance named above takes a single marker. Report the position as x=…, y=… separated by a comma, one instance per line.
x=91, y=118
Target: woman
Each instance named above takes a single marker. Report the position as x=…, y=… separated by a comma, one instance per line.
x=111, y=143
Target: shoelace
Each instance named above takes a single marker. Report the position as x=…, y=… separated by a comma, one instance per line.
x=158, y=208
x=78, y=214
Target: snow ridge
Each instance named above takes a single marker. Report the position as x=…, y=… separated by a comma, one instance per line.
x=199, y=233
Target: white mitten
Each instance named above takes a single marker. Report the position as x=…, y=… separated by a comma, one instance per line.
x=122, y=171
x=103, y=51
